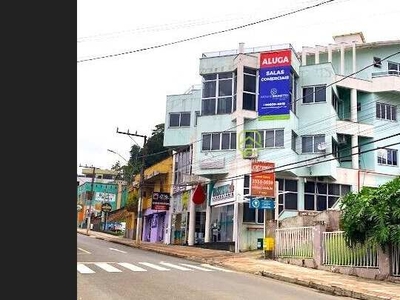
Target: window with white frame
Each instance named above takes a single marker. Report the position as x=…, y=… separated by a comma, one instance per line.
x=287, y=195
x=218, y=141
x=251, y=215
x=183, y=164
x=179, y=119
x=387, y=157
x=309, y=143
x=321, y=195
x=268, y=138
x=249, y=88
x=217, y=93
x=314, y=94
x=386, y=111
x=394, y=68
x=293, y=91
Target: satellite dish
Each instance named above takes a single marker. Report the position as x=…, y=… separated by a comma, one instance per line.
x=321, y=146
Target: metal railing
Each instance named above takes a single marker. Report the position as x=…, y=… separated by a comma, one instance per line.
x=249, y=50
x=336, y=252
x=386, y=73
x=294, y=242
x=395, y=260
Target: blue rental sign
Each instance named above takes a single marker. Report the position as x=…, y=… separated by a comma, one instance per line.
x=274, y=93
x=262, y=203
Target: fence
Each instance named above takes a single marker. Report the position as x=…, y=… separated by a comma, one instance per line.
x=294, y=242
x=336, y=252
x=395, y=260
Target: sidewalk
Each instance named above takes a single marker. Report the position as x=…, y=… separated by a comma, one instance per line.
x=254, y=262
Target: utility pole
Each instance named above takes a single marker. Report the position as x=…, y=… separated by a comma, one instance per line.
x=139, y=214
x=91, y=198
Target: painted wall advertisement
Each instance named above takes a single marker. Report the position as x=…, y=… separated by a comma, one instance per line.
x=222, y=193
x=262, y=180
x=104, y=197
x=274, y=85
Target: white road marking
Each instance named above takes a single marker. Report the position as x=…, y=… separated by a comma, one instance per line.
x=216, y=268
x=84, y=250
x=154, y=266
x=132, y=267
x=84, y=270
x=175, y=266
x=113, y=249
x=197, y=267
x=108, y=267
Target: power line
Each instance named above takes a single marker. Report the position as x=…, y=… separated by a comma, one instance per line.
x=316, y=90
x=207, y=34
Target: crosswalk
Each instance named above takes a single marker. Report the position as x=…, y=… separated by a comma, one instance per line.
x=119, y=267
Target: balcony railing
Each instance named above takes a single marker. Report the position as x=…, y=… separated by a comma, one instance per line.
x=386, y=73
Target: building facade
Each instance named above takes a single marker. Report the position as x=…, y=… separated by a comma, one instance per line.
x=108, y=190
x=323, y=122
x=156, y=200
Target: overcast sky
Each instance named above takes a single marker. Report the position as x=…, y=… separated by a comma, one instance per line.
x=129, y=91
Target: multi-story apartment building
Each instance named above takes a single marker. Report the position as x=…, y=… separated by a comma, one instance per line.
x=325, y=120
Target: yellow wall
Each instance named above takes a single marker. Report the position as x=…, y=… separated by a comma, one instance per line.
x=161, y=184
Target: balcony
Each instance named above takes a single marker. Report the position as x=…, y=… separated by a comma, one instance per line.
x=354, y=128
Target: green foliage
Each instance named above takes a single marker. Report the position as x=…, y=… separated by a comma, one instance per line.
x=155, y=151
x=372, y=215
x=132, y=202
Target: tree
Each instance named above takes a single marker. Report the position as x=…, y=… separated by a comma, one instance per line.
x=155, y=150
x=372, y=215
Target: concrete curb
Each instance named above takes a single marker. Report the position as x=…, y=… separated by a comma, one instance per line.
x=329, y=289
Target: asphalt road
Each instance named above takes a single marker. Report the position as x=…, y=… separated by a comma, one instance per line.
x=107, y=270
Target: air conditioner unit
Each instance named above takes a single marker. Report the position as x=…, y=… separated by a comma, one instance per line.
x=250, y=153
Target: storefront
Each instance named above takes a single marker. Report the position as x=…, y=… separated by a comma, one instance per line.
x=222, y=211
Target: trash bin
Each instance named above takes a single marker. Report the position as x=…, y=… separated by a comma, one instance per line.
x=259, y=244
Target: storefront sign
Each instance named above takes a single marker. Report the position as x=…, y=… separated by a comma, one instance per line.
x=275, y=85
x=262, y=203
x=160, y=201
x=104, y=197
x=222, y=194
x=262, y=179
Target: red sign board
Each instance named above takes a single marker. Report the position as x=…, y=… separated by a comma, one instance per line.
x=263, y=179
x=275, y=59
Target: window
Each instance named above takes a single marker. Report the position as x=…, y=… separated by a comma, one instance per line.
x=386, y=111
x=294, y=141
x=249, y=88
x=254, y=139
x=394, y=68
x=293, y=91
x=287, y=199
x=321, y=196
x=269, y=138
x=252, y=215
x=314, y=94
x=335, y=101
x=182, y=165
x=274, y=138
x=218, y=141
x=310, y=143
x=387, y=157
x=197, y=115
x=179, y=119
x=217, y=93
